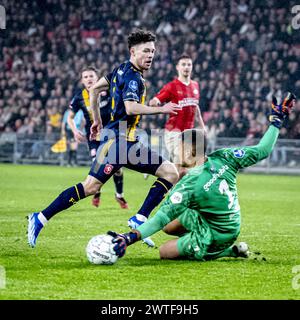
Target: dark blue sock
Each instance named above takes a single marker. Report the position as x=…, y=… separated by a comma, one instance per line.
x=118, y=180
x=157, y=192
x=65, y=200
x=97, y=195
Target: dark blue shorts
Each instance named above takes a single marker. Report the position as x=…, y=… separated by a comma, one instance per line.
x=69, y=135
x=93, y=146
x=116, y=153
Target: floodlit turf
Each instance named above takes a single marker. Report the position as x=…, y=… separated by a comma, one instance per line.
x=58, y=268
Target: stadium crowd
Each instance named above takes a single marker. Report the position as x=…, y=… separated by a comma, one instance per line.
x=243, y=53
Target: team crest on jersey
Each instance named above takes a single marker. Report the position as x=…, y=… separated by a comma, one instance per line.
x=212, y=169
x=195, y=91
x=108, y=169
x=133, y=85
x=239, y=153
x=176, y=197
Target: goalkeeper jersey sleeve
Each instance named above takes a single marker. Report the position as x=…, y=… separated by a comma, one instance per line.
x=247, y=156
x=179, y=199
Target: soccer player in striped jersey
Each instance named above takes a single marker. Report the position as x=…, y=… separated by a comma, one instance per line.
x=121, y=147
x=80, y=101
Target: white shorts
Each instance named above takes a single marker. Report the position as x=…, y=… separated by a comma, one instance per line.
x=172, y=143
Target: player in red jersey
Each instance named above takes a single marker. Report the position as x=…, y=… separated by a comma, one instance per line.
x=185, y=92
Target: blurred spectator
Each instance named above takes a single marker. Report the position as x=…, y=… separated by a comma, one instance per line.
x=54, y=120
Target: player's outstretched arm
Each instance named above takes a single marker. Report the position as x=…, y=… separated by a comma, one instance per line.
x=177, y=202
x=248, y=156
x=150, y=227
x=123, y=240
x=279, y=114
x=154, y=102
x=281, y=111
x=135, y=108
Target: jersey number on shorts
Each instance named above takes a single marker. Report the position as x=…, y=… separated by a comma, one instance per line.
x=224, y=189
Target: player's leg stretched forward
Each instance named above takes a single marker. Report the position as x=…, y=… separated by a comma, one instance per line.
x=171, y=250
x=70, y=196
x=183, y=248
x=100, y=173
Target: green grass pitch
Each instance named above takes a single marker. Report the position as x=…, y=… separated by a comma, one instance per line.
x=58, y=268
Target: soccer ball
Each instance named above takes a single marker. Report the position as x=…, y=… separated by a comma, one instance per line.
x=100, y=250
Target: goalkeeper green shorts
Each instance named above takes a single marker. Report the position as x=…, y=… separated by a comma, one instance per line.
x=195, y=243
x=202, y=242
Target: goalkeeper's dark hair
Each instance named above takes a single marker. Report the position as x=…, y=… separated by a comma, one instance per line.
x=198, y=139
x=140, y=36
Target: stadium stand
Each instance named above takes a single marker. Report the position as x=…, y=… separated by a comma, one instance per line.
x=243, y=53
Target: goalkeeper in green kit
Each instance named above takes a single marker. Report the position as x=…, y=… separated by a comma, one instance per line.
x=202, y=209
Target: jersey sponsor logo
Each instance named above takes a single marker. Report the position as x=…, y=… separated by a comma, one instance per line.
x=215, y=176
x=108, y=169
x=133, y=85
x=132, y=95
x=187, y=102
x=239, y=153
x=176, y=197
x=103, y=104
x=196, y=248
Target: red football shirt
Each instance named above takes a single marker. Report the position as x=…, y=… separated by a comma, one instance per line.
x=186, y=96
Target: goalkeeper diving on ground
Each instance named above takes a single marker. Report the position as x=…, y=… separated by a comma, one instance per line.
x=202, y=209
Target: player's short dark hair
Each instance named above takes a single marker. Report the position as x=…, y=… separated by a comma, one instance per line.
x=89, y=68
x=140, y=36
x=198, y=139
x=183, y=56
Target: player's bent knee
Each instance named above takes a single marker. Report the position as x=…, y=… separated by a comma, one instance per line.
x=169, y=250
x=91, y=185
x=168, y=171
x=173, y=176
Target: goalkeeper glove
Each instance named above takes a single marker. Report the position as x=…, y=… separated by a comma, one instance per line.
x=122, y=241
x=281, y=111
